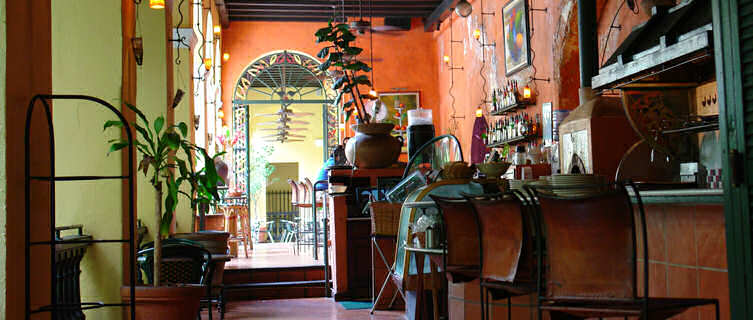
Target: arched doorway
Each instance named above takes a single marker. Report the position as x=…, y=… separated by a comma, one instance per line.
x=286, y=78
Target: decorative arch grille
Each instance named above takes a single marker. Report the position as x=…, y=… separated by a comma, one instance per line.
x=285, y=77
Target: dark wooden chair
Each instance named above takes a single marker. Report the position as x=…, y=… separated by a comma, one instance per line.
x=508, y=264
x=461, y=237
x=592, y=258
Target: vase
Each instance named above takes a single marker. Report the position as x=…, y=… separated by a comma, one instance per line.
x=222, y=170
x=373, y=146
x=166, y=302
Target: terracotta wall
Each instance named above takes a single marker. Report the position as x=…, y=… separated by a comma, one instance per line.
x=554, y=46
x=405, y=60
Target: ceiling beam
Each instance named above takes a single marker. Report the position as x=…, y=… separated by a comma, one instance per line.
x=280, y=19
x=222, y=10
x=329, y=13
x=334, y=3
x=442, y=11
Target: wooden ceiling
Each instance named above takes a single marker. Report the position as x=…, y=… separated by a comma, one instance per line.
x=323, y=10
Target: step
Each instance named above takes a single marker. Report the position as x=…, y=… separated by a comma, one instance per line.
x=274, y=283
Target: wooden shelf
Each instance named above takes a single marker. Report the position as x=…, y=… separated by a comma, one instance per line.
x=511, y=141
x=512, y=107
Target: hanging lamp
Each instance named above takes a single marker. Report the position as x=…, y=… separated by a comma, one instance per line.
x=157, y=4
x=463, y=8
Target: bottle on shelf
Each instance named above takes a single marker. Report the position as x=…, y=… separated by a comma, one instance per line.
x=494, y=101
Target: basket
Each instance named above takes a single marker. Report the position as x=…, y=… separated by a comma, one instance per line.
x=385, y=218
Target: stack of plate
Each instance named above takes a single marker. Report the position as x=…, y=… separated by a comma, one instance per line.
x=518, y=184
x=577, y=185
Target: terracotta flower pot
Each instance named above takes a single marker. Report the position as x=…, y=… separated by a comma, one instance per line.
x=214, y=241
x=373, y=146
x=165, y=303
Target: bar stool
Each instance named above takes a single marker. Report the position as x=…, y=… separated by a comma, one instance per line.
x=461, y=239
x=294, y=202
x=507, y=248
x=237, y=213
x=592, y=258
x=313, y=199
x=304, y=229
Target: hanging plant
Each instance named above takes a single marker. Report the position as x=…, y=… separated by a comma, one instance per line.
x=340, y=54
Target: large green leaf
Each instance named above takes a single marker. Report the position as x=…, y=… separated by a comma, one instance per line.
x=172, y=139
x=183, y=127
x=353, y=51
x=339, y=83
x=323, y=53
x=112, y=123
x=138, y=112
x=158, y=124
x=117, y=146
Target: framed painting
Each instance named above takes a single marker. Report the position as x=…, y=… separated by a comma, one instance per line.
x=516, y=36
x=393, y=108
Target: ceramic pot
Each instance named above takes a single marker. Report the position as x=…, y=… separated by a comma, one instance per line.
x=222, y=170
x=214, y=241
x=373, y=146
x=165, y=303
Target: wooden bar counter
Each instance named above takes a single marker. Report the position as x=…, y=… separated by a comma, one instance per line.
x=687, y=257
x=350, y=232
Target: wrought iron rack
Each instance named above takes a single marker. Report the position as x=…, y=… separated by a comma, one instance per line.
x=55, y=308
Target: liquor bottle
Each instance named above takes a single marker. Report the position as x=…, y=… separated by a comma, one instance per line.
x=536, y=130
x=494, y=100
x=523, y=126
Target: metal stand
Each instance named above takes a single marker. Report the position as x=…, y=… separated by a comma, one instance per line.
x=327, y=288
x=56, y=305
x=390, y=269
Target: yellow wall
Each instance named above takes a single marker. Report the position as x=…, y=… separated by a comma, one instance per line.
x=3, y=179
x=86, y=59
x=151, y=96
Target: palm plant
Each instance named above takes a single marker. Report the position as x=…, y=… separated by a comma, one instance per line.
x=159, y=147
x=341, y=53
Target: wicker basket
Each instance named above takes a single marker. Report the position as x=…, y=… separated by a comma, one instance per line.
x=385, y=218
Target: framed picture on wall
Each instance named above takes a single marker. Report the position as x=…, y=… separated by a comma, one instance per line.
x=516, y=35
x=392, y=107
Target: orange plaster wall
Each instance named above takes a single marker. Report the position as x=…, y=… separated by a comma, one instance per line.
x=404, y=60
x=554, y=44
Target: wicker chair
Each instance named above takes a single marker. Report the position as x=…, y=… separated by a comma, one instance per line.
x=183, y=262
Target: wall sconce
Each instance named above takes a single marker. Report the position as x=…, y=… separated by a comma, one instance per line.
x=178, y=97
x=463, y=8
x=479, y=112
x=208, y=63
x=446, y=59
x=157, y=4
x=196, y=120
x=527, y=92
x=217, y=30
x=220, y=114
x=373, y=94
x=477, y=34
x=225, y=56
x=138, y=49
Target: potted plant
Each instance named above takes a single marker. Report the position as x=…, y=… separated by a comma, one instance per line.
x=376, y=147
x=158, y=146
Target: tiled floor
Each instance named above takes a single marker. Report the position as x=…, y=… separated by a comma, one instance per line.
x=300, y=309
x=273, y=255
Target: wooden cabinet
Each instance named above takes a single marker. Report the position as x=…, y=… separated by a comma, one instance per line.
x=351, y=232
